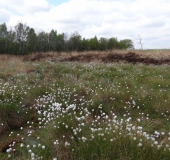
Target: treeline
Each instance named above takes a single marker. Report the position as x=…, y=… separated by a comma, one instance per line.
x=24, y=40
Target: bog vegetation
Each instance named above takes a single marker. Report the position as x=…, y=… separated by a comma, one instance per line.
x=80, y=111
x=23, y=39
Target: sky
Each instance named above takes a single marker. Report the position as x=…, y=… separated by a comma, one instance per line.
x=124, y=19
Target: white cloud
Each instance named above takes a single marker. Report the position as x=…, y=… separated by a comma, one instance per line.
x=104, y=18
x=21, y=7
x=4, y=15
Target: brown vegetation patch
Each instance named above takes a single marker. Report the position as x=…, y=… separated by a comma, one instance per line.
x=37, y=57
x=30, y=70
x=6, y=145
x=130, y=57
x=13, y=123
x=83, y=58
x=107, y=57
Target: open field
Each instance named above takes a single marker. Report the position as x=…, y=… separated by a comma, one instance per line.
x=51, y=108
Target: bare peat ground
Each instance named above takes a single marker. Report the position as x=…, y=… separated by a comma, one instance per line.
x=112, y=57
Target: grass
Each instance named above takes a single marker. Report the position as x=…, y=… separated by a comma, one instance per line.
x=84, y=111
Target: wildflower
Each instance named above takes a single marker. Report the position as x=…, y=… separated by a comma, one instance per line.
x=9, y=156
x=138, y=120
x=21, y=145
x=9, y=150
x=56, y=142
x=159, y=146
x=162, y=133
x=67, y=144
x=34, y=145
x=39, y=145
x=32, y=155
x=111, y=140
x=134, y=138
x=139, y=145
x=133, y=128
x=84, y=139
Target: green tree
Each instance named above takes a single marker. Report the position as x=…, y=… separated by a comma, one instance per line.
x=21, y=35
x=31, y=40
x=52, y=40
x=3, y=38
x=113, y=43
x=61, y=43
x=75, y=41
x=94, y=43
x=85, y=45
x=103, y=44
x=42, y=41
x=126, y=44
x=13, y=46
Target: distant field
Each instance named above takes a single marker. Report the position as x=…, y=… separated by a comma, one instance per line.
x=52, y=108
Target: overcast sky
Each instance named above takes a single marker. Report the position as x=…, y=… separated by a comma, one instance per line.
x=104, y=18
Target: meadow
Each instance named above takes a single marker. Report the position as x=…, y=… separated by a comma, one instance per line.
x=54, y=110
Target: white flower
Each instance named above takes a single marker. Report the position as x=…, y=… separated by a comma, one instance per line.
x=39, y=145
x=34, y=145
x=134, y=138
x=21, y=145
x=67, y=144
x=43, y=147
x=32, y=155
x=162, y=133
x=133, y=128
x=9, y=156
x=84, y=139
x=8, y=150
x=167, y=145
x=155, y=142
x=56, y=142
x=139, y=145
x=111, y=140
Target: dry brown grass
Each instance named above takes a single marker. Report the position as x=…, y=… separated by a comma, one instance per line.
x=13, y=64
x=155, y=53
x=10, y=65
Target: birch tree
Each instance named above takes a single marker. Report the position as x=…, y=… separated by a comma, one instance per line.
x=21, y=35
x=3, y=38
